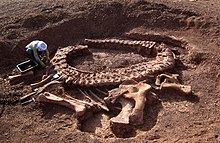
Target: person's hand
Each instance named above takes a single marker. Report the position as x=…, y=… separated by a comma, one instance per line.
x=42, y=64
x=48, y=58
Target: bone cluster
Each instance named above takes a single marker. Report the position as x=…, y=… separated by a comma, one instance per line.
x=131, y=92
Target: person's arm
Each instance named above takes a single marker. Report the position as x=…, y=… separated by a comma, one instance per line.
x=37, y=58
x=47, y=54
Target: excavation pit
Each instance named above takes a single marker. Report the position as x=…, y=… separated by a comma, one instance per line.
x=150, y=22
x=107, y=62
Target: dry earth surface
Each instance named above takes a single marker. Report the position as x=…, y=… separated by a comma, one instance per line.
x=61, y=23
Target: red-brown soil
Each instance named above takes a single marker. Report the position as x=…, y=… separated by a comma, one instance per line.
x=60, y=23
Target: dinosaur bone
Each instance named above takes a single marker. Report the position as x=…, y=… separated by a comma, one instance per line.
x=171, y=78
x=171, y=81
x=171, y=40
x=186, y=89
x=101, y=105
x=120, y=124
x=164, y=60
x=42, y=82
x=123, y=116
x=132, y=90
x=74, y=104
x=15, y=79
x=40, y=90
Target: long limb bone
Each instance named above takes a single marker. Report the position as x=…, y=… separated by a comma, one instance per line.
x=75, y=105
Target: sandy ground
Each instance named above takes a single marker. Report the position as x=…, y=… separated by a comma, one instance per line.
x=61, y=23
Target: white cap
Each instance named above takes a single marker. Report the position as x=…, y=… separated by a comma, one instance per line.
x=41, y=46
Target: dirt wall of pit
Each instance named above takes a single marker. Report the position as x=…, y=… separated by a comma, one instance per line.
x=95, y=20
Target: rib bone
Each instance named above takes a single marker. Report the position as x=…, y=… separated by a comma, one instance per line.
x=42, y=82
x=101, y=105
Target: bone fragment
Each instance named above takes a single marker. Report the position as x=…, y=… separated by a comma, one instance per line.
x=46, y=86
x=173, y=78
x=81, y=101
x=137, y=115
x=171, y=81
x=78, y=107
x=186, y=89
x=14, y=79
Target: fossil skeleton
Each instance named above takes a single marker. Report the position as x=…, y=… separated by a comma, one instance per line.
x=129, y=79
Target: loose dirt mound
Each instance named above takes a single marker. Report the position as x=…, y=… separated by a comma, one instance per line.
x=175, y=119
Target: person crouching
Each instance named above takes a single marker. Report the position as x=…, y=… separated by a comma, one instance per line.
x=37, y=51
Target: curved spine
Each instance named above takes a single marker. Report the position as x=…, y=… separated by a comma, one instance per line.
x=164, y=60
